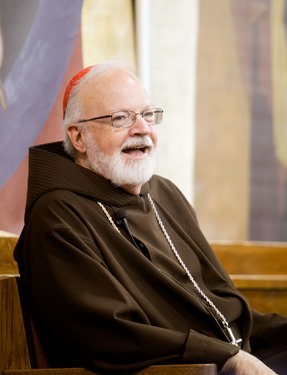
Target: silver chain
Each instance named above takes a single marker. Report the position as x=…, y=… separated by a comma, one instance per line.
x=181, y=262
x=108, y=217
x=225, y=324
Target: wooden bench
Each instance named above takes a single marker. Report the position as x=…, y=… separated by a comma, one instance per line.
x=258, y=270
x=13, y=346
x=14, y=353
x=8, y=266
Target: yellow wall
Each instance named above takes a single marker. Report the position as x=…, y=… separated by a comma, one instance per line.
x=107, y=31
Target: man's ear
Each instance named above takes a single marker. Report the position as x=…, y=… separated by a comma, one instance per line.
x=76, y=138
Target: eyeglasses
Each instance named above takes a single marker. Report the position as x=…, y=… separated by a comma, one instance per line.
x=126, y=119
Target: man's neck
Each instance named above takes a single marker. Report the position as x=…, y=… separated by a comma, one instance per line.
x=132, y=189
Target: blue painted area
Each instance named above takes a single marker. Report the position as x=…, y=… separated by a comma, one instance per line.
x=35, y=79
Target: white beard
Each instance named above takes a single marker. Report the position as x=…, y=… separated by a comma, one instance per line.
x=116, y=168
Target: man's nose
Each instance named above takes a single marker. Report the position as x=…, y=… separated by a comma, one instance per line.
x=140, y=125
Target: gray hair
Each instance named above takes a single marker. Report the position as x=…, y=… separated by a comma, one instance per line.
x=73, y=110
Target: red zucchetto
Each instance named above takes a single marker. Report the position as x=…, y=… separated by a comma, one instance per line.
x=72, y=84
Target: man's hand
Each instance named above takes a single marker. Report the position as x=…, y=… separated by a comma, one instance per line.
x=245, y=364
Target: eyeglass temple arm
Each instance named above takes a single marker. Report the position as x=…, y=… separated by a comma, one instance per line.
x=94, y=118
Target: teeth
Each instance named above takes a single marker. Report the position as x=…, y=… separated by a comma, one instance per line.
x=135, y=147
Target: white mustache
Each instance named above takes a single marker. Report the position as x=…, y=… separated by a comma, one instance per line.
x=138, y=141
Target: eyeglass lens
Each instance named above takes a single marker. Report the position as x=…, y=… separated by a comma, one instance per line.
x=127, y=118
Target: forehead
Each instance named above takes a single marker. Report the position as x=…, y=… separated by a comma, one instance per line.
x=115, y=89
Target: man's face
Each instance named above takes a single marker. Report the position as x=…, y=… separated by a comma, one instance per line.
x=126, y=156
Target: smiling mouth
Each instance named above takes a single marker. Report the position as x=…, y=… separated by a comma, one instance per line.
x=141, y=149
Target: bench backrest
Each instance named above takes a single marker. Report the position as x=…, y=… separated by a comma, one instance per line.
x=258, y=270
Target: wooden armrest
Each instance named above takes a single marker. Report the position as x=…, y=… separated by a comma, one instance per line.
x=190, y=369
x=186, y=369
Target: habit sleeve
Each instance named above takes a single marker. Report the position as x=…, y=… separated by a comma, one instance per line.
x=268, y=335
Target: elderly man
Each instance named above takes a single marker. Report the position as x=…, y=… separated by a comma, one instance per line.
x=119, y=275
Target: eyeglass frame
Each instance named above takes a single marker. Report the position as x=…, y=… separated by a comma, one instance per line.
x=111, y=116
